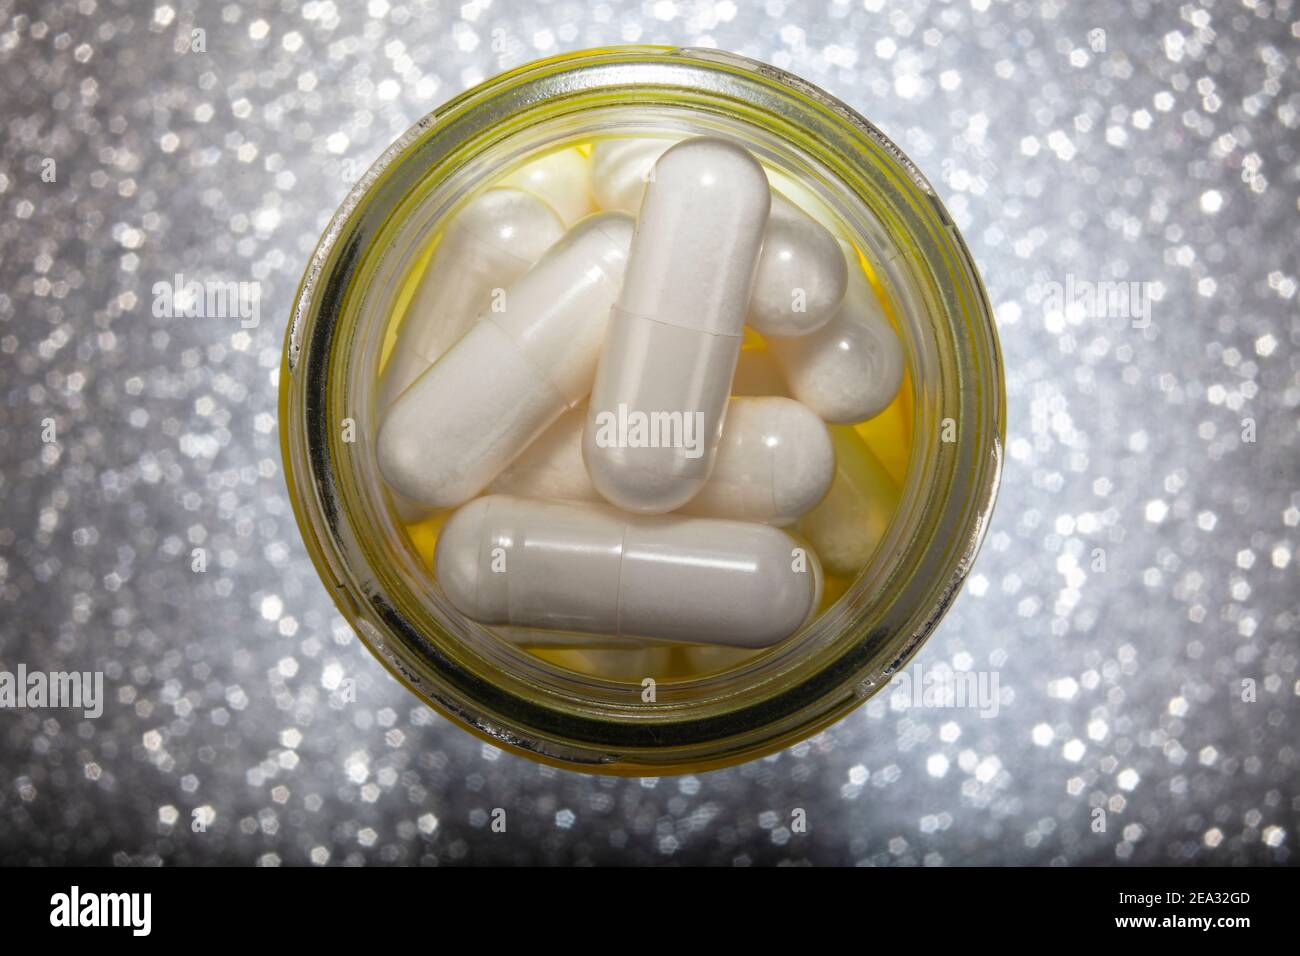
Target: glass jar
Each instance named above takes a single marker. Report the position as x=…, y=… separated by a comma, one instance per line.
x=516, y=699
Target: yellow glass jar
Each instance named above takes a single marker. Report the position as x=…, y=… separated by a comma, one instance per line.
x=939, y=445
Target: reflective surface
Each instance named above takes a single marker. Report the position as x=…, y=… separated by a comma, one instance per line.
x=1137, y=583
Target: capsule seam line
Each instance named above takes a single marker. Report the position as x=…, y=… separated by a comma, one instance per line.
x=677, y=325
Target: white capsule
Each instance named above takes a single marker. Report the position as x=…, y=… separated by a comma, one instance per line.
x=592, y=569
x=850, y=369
x=670, y=351
x=801, y=275
x=562, y=179
x=620, y=169
x=492, y=241
x=775, y=462
x=511, y=376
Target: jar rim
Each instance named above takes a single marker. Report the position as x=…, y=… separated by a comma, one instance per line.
x=952, y=514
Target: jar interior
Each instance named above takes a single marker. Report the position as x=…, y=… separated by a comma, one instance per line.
x=880, y=468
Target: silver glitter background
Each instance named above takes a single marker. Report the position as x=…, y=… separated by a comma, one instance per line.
x=1168, y=158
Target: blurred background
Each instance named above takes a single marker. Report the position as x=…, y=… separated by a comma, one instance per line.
x=1136, y=596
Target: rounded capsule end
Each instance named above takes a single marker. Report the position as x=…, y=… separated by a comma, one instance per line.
x=787, y=594
x=713, y=166
x=511, y=221
x=797, y=598
x=620, y=169
x=631, y=486
x=801, y=276
x=562, y=179
x=426, y=481
x=852, y=368
x=456, y=560
x=400, y=461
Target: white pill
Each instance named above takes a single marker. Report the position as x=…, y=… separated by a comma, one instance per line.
x=512, y=375
x=492, y=241
x=562, y=179
x=592, y=569
x=670, y=351
x=620, y=169
x=850, y=369
x=775, y=462
x=801, y=274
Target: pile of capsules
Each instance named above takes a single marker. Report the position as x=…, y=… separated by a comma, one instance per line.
x=572, y=351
